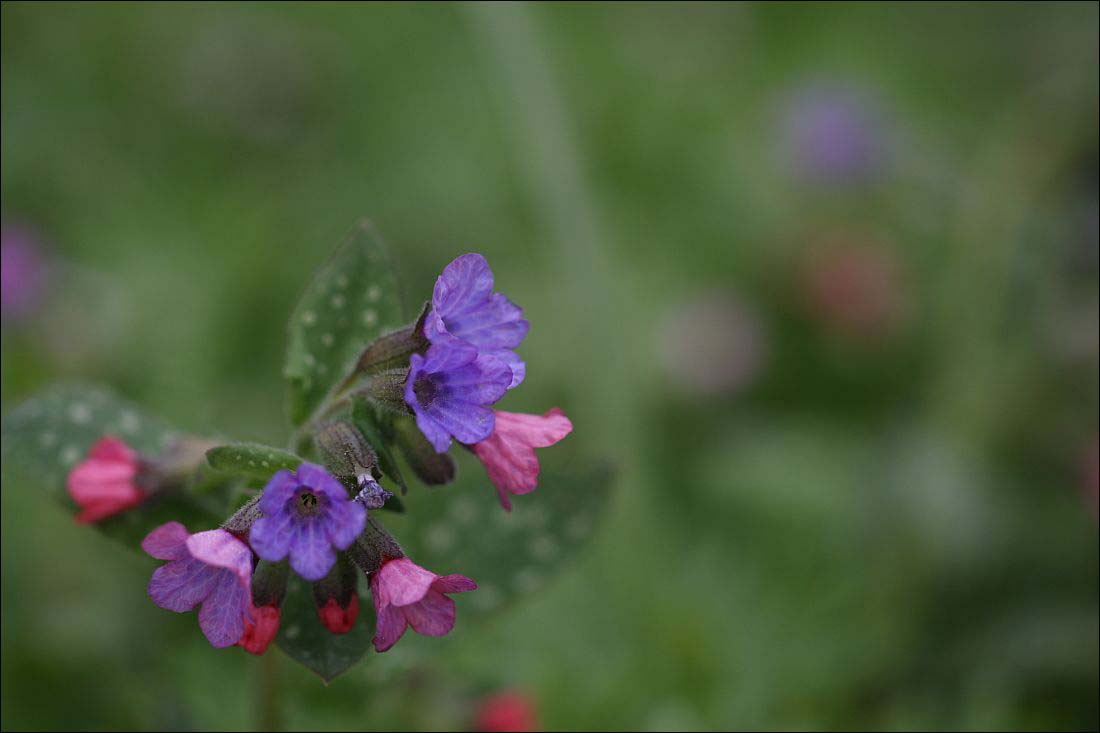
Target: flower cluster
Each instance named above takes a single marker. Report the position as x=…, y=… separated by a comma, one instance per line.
x=318, y=519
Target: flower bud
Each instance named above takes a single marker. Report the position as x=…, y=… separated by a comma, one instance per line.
x=336, y=599
x=268, y=590
x=243, y=518
x=387, y=390
x=434, y=469
x=373, y=547
x=394, y=349
x=346, y=452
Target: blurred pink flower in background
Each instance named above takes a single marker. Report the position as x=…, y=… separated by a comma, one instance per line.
x=713, y=344
x=507, y=712
x=855, y=288
x=24, y=272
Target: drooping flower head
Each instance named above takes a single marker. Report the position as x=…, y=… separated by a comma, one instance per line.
x=406, y=594
x=105, y=483
x=465, y=306
x=307, y=515
x=509, y=453
x=450, y=389
x=210, y=569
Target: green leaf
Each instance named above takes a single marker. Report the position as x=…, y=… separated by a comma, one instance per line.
x=352, y=300
x=45, y=436
x=307, y=641
x=463, y=529
x=251, y=459
x=376, y=431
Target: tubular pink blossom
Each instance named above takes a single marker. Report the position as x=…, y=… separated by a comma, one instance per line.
x=104, y=484
x=509, y=453
x=406, y=594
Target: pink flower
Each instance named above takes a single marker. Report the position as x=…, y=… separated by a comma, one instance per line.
x=260, y=630
x=406, y=594
x=104, y=484
x=509, y=453
x=210, y=569
x=507, y=712
x=336, y=618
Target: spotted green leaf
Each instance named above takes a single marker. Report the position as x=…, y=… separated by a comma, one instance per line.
x=352, y=300
x=251, y=459
x=462, y=528
x=307, y=641
x=45, y=436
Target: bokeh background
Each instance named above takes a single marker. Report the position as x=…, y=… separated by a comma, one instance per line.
x=819, y=280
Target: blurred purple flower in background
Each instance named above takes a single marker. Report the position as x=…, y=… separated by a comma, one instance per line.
x=834, y=134
x=714, y=344
x=24, y=272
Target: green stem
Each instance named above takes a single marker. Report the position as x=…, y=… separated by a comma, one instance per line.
x=268, y=713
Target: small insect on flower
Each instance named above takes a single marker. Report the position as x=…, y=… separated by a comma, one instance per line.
x=406, y=594
x=307, y=516
x=105, y=483
x=465, y=306
x=210, y=569
x=509, y=453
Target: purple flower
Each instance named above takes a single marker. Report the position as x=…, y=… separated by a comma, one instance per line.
x=835, y=135
x=210, y=569
x=450, y=390
x=308, y=516
x=465, y=306
x=23, y=270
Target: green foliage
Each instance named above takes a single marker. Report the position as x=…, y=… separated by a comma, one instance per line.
x=307, y=641
x=463, y=529
x=45, y=436
x=353, y=299
x=252, y=460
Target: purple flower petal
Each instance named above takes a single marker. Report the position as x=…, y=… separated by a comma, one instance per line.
x=464, y=283
x=166, y=542
x=278, y=491
x=345, y=522
x=432, y=616
x=223, y=613
x=389, y=627
x=311, y=554
x=270, y=536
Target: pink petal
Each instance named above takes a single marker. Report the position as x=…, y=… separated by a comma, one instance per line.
x=389, y=627
x=401, y=582
x=508, y=454
x=221, y=549
x=454, y=584
x=111, y=449
x=432, y=616
x=166, y=542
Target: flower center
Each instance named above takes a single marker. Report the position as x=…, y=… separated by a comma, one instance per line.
x=308, y=503
x=426, y=391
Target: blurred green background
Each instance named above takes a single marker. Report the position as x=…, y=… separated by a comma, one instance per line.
x=820, y=280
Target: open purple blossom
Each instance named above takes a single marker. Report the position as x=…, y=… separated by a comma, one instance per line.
x=210, y=569
x=450, y=390
x=465, y=306
x=307, y=516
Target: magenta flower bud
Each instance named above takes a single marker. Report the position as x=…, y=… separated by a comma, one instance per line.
x=261, y=629
x=210, y=569
x=509, y=453
x=336, y=598
x=105, y=483
x=406, y=594
x=507, y=712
